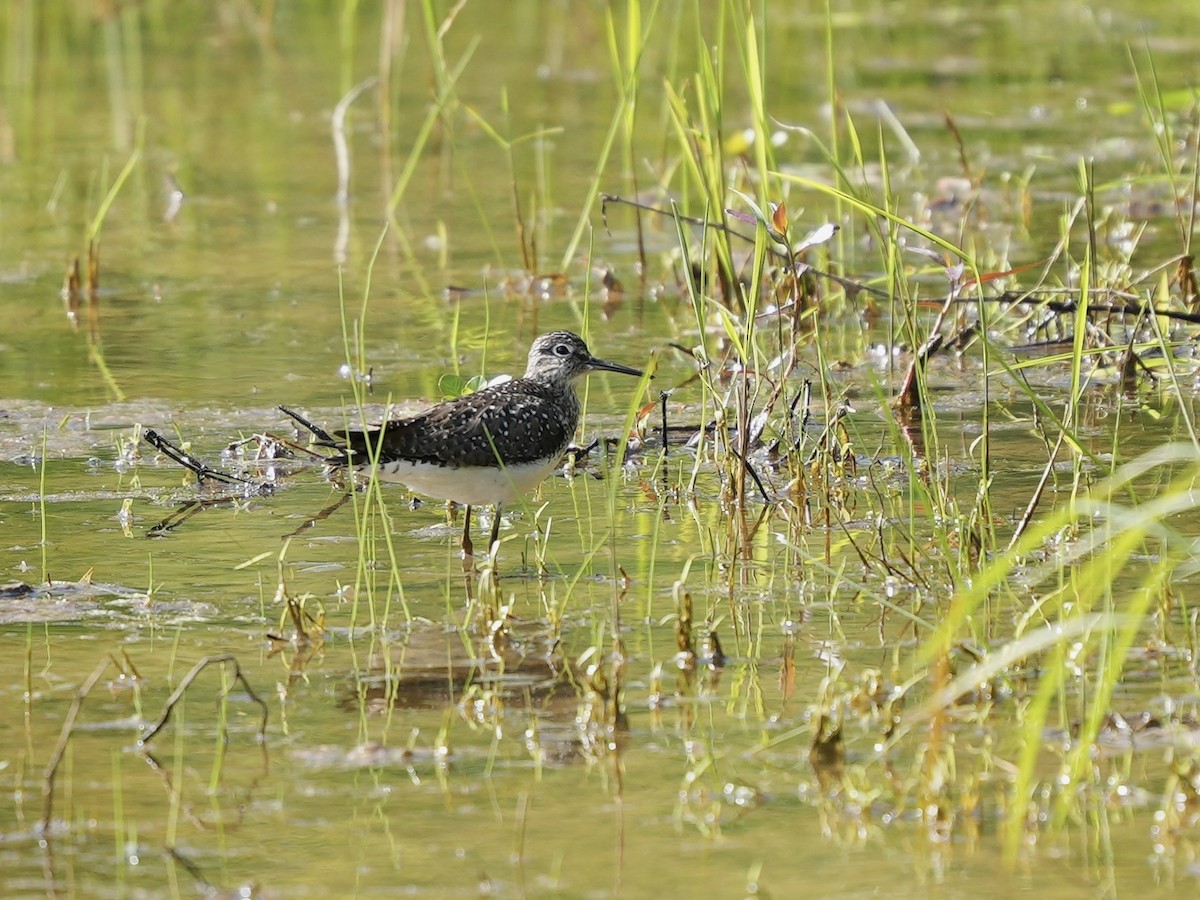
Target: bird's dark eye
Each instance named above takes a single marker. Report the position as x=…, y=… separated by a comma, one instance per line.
x=562, y=350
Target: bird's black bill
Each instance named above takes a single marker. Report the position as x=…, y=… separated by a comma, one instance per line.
x=604, y=365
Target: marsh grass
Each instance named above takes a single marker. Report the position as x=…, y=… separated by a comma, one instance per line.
x=963, y=562
x=1006, y=635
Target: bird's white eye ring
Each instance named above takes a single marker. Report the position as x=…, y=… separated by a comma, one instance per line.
x=562, y=349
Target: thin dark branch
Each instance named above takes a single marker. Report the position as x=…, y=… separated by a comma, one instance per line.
x=665, y=431
x=578, y=453
x=750, y=469
x=189, y=462
x=1130, y=307
x=783, y=256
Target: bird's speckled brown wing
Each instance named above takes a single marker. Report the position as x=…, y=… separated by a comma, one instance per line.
x=526, y=421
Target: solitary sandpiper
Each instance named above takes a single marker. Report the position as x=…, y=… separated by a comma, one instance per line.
x=488, y=447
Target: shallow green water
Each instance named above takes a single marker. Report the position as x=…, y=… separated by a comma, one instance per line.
x=209, y=320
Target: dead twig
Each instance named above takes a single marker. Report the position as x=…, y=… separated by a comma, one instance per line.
x=784, y=256
x=754, y=475
x=189, y=462
x=1065, y=307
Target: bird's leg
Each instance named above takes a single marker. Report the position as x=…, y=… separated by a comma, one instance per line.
x=468, y=548
x=495, y=528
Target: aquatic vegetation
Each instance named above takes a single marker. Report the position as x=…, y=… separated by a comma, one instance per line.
x=893, y=565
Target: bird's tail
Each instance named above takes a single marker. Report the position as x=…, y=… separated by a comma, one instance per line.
x=324, y=438
x=346, y=444
x=359, y=442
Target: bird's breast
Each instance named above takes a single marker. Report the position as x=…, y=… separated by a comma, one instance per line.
x=473, y=485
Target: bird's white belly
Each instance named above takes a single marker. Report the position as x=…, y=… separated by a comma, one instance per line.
x=473, y=485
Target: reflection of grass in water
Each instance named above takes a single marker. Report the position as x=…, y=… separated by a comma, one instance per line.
x=43, y=524
x=73, y=287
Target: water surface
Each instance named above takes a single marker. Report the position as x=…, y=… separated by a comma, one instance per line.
x=400, y=755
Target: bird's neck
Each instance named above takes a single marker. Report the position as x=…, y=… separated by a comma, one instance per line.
x=552, y=380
